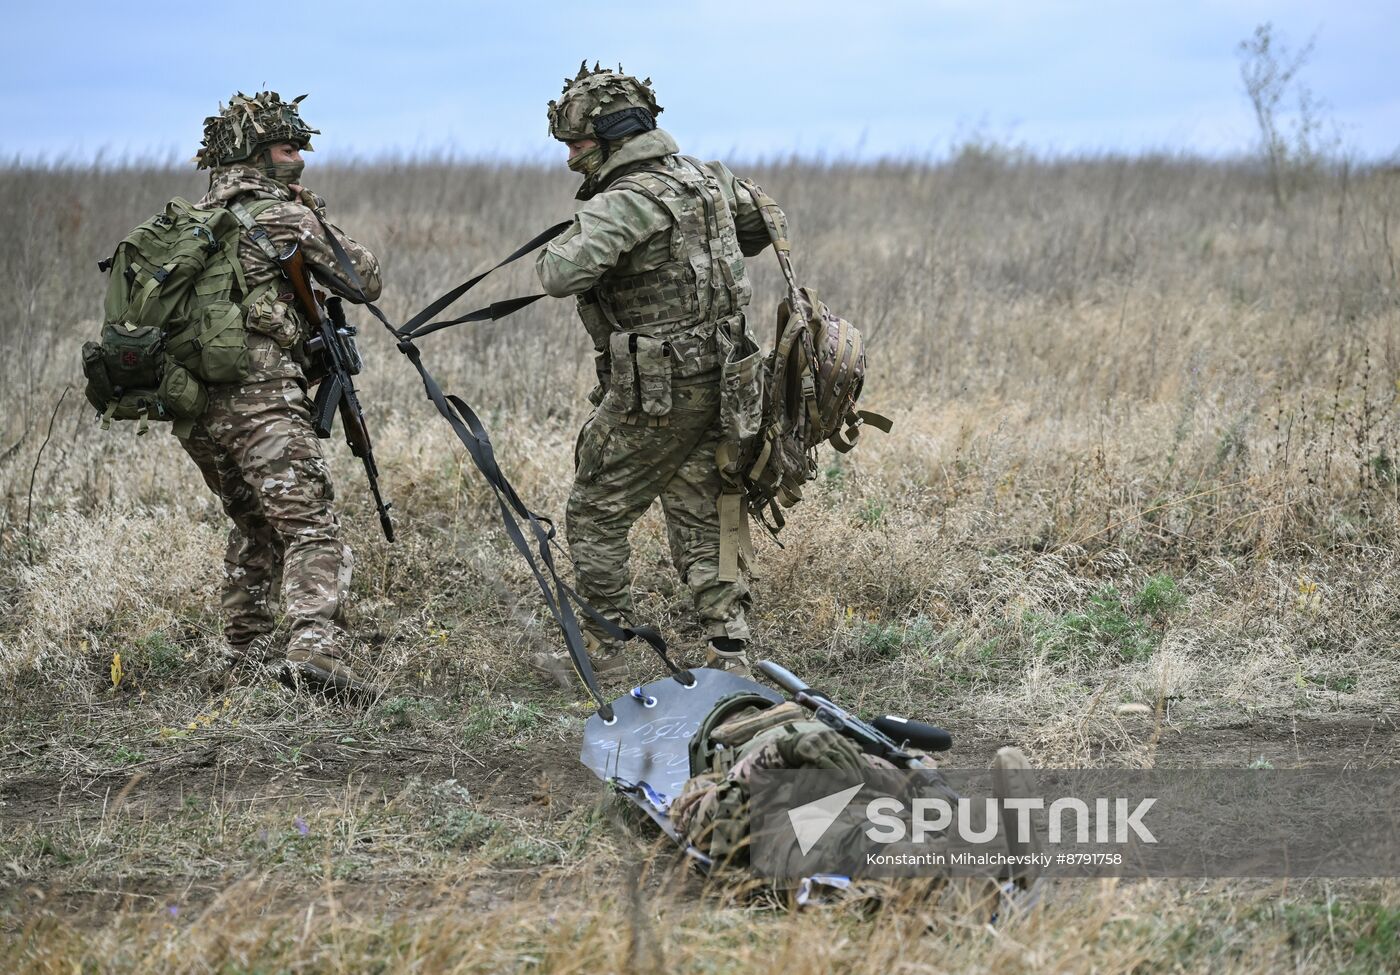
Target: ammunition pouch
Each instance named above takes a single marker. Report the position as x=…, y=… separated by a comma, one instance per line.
x=269, y=315
x=653, y=358
x=640, y=378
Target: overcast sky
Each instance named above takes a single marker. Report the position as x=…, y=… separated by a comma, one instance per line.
x=840, y=77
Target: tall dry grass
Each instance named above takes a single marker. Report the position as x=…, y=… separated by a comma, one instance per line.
x=1145, y=451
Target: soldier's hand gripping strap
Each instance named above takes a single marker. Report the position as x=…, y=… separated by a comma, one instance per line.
x=560, y=598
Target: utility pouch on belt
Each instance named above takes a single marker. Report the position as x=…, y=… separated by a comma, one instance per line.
x=654, y=374
x=641, y=375
x=741, y=395
x=621, y=396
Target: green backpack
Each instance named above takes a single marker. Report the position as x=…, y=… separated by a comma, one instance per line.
x=173, y=317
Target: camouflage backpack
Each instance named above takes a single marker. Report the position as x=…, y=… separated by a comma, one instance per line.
x=742, y=734
x=172, y=319
x=811, y=381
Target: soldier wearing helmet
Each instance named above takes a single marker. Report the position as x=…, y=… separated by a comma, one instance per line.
x=655, y=258
x=255, y=445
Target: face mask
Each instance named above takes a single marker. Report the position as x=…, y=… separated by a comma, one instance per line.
x=284, y=173
x=587, y=162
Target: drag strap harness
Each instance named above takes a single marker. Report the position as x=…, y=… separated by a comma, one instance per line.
x=561, y=598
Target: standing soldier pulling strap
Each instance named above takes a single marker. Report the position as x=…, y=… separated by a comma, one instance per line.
x=255, y=444
x=655, y=257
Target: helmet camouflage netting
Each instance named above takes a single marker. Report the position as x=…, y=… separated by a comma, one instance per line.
x=600, y=92
x=248, y=124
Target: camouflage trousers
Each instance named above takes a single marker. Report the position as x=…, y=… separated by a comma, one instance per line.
x=258, y=453
x=621, y=466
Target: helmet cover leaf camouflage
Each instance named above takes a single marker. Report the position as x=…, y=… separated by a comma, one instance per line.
x=591, y=94
x=248, y=124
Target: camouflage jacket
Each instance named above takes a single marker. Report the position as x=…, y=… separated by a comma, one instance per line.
x=275, y=329
x=653, y=251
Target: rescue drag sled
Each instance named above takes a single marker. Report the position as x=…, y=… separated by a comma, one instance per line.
x=644, y=748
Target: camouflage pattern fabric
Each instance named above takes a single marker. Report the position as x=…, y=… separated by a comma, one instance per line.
x=622, y=467
x=656, y=258
x=248, y=123
x=257, y=452
x=255, y=446
x=275, y=329
x=591, y=94
x=713, y=811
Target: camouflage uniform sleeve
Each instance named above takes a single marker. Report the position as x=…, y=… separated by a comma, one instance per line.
x=293, y=221
x=753, y=234
x=748, y=221
x=605, y=228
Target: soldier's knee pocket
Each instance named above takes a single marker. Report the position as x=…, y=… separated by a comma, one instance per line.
x=296, y=485
x=589, y=449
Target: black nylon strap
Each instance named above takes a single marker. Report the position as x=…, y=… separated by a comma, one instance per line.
x=470, y=431
x=410, y=329
x=559, y=597
x=492, y=312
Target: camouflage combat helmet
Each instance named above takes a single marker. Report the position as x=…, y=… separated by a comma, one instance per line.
x=603, y=104
x=250, y=123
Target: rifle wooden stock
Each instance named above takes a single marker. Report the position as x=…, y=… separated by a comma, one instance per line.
x=337, y=390
x=294, y=268
x=356, y=433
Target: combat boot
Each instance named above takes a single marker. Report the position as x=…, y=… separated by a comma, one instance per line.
x=319, y=671
x=247, y=663
x=607, y=660
x=727, y=653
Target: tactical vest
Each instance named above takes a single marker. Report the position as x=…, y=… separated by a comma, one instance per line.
x=703, y=282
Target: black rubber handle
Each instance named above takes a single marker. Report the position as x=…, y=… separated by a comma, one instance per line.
x=925, y=737
x=783, y=677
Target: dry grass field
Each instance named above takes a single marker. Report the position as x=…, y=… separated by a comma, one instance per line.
x=1146, y=442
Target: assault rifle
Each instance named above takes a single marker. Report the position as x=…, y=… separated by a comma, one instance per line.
x=333, y=341
x=889, y=737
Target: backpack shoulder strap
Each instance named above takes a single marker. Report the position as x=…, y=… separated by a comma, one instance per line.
x=247, y=215
x=775, y=221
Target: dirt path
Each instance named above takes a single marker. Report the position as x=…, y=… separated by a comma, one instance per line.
x=548, y=773
x=535, y=788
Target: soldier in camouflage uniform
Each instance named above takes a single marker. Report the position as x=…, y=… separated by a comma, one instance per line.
x=255, y=445
x=655, y=257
